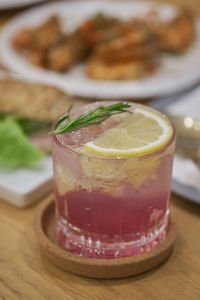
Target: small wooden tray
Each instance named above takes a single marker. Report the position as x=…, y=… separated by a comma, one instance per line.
x=45, y=228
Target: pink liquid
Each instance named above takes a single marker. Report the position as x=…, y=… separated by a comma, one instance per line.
x=95, y=224
x=110, y=216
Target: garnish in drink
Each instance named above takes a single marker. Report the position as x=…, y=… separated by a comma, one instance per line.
x=96, y=116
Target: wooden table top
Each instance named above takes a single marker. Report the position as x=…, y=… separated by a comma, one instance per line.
x=26, y=274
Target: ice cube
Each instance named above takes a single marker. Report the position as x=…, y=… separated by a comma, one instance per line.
x=81, y=136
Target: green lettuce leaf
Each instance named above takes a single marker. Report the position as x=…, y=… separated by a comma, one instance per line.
x=15, y=147
x=29, y=126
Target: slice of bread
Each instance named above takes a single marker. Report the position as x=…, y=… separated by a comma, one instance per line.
x=33, y=101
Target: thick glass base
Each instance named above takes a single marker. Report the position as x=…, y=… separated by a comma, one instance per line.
x=95, y=245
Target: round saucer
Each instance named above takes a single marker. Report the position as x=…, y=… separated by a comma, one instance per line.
x=45, y=227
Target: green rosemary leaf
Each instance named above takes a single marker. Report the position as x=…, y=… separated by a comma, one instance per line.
x=95, y=116
x=65, y=117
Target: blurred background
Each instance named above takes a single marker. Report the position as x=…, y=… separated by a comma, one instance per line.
x=54, y=54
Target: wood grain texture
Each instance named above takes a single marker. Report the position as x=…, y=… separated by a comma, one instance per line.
x=26, y=275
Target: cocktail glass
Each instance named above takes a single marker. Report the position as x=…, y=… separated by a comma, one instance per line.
x=110, y=207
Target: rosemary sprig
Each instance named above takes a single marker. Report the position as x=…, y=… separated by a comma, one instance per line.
x=95, y=116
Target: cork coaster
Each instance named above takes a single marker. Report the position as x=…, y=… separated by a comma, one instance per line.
x=45, y=227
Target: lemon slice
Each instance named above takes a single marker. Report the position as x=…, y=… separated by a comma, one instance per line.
x=144, y=132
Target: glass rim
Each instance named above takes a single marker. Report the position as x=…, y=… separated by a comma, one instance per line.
x=115, y=158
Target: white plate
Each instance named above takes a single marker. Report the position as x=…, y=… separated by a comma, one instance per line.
x=7, y=4
x=176, y=72
x=24, y=186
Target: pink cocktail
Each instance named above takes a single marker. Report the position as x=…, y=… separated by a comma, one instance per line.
x=110, y=207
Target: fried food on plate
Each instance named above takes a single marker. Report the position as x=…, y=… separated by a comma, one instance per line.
x=48, y=47
x=69, y=51
x=111, y=48
x=137, y=42
x=177, y=35
x=36, y=57
x=39, y=37
x=130, y=69
x=34, y=42
x=59, y=58
x=129, y=56
x=98, y=29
